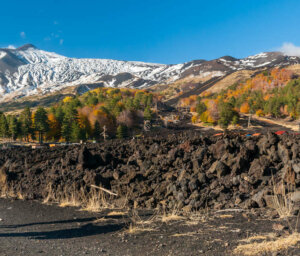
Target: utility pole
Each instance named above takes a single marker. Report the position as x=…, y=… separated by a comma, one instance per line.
x=249, y=118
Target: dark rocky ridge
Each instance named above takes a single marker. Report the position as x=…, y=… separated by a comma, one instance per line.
x=185, y=170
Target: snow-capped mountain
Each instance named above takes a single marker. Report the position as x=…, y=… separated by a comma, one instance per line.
x=28, y=71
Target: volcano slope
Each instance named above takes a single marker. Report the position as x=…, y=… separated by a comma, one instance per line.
x=186, y=171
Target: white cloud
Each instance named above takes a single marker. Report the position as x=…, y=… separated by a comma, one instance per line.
x=10, y=47
x=290, y=49
x=22, y=34
x=61, y=41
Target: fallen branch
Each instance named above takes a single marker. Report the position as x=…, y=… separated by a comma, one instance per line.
x=105, y=190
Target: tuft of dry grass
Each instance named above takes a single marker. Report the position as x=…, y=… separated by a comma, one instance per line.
x=225, y=216
x=50, y=195
x=281, y=200
x=134, y=229
x=138, y=225
x=70, y=201
x=254, y=238
x=116, y=213
x=184, y=234
x=174, y=215
x=95, y=201
x=282, y=243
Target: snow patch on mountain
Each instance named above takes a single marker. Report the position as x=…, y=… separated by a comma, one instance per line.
x=2, y=54
x=27, y=71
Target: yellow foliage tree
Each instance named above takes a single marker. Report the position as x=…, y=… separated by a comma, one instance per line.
x=245, y=108
x=194, y=119
x=259, y=112
x=67, y=99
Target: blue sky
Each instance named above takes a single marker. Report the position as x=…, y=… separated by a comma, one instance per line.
x=163, y=31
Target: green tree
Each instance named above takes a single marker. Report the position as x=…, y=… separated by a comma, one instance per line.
x=97, y=131
x=66, y=129
x=147, y=113
x=13, y=127
x=227, y=114
x=200, y=108
x=77, y=133
x=121, y=131
x=26, y=123
x=41, y=124
x=3, y=126
x=235, y=119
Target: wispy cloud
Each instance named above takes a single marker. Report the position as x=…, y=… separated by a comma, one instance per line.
x=23, y=34
x=61, y=41
x=290, y=49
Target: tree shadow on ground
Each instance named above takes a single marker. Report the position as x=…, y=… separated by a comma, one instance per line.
x=50, y=223
x=83, y=231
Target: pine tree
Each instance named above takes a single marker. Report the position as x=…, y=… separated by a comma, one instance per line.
x=147, y=113
x=26, y=123
x=97, y=131
x=77, y=133
x=121, y=131
x=13, y=127
x=3, y=126
x=66, y=129
x=200, y=108
x=227, y=114
x=41, y=122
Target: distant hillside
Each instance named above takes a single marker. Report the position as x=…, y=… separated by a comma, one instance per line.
x=110, y=111
x=28, y=71
x=274, y=93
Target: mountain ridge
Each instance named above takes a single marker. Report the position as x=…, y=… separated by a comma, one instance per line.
x=28, y=71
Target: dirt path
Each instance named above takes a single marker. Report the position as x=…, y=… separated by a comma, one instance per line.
x=291, y=126
x=30, y=228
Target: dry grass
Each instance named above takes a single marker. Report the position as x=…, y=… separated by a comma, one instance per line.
x=70, y=201
x=196, y=217
x=282, y=243
x=235, y=77
x=50, y=195
x=117, y=213
x=281, y=200
x=134, y=229
x=95, y=201
x=254, y=238
x=6, y=192
x=173, y=216
x=138, y=225
x=225, y=216
x=184, y=234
